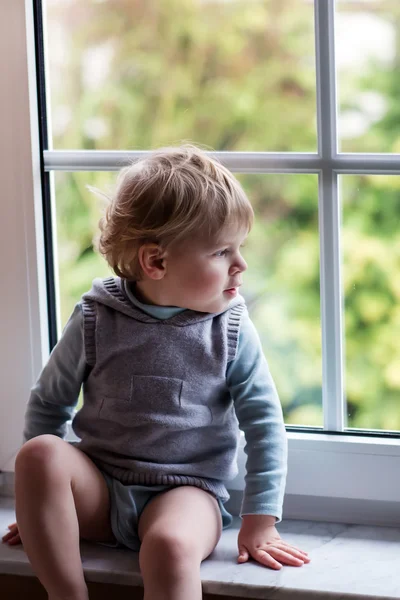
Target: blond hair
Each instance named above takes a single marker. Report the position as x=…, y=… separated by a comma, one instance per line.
x=167, y=197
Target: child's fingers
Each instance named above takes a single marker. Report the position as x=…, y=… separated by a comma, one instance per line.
x=296, y=552
x=15, y=540
x=12, y=540
x=12, y=537
x=295, y=548
x=265, y=558
x=284, y=557
x=243, y=555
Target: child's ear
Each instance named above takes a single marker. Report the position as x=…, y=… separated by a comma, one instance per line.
x=152, y=261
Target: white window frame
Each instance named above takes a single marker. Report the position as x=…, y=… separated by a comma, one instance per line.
x=331, y=477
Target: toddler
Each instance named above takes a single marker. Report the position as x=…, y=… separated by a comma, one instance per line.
x=171, y=366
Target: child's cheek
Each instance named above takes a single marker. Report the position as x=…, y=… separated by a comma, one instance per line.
x=217, y=277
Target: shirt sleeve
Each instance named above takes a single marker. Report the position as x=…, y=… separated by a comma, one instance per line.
x=55, y=394
x=260, y=417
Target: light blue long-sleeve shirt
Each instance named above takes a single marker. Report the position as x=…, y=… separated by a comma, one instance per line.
x=55, y=395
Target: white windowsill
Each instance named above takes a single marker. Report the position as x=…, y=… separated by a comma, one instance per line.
x=347, y=561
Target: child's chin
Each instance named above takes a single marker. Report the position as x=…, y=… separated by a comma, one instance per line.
x=215, y=306
x=221, y=305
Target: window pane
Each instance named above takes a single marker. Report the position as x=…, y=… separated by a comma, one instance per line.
x=281, y=285
x=282, y=288
x=367, y=59
x=371, y=260
x=234, y=75
x=77, y=215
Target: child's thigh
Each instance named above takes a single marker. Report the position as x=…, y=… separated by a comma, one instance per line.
x=54, y=463
x=184, y=521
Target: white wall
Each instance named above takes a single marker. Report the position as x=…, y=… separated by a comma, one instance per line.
x=22, y=299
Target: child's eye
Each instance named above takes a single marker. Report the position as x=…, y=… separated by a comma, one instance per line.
x=222, y=253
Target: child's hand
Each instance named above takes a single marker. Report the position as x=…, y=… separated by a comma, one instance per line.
x=259, y=539
x=12, y=537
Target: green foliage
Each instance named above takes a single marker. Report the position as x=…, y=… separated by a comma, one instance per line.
x=240, y=76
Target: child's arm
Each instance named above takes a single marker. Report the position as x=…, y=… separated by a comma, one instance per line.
x=259, y=412
x=55, y=394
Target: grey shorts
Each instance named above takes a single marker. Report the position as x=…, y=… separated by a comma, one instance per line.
x=127, y=503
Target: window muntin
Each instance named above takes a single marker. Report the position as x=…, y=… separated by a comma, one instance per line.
x=231, y=75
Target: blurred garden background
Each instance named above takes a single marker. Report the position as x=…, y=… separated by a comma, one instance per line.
x=239, y=75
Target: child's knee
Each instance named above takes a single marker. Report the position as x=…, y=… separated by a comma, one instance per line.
x=37, y=454
x=169, y=549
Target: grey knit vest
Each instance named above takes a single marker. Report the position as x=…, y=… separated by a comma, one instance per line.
x=156, y=408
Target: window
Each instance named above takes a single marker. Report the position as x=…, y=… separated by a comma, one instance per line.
x=264, y=97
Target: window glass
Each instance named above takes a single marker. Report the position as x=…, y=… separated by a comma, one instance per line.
x=367, y=61
x=282, y=288
x=229, y=74
x=371, y=261
x=281, y=285
x=77, y=215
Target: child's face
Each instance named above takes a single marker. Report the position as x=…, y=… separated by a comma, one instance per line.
x=205, y=276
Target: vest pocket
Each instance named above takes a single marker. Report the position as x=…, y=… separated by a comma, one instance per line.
x=150, y=400
x=167, y=402
x=156, y=401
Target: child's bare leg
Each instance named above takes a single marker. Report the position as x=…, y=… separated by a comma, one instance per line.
x=178, y=529
x=60, y=496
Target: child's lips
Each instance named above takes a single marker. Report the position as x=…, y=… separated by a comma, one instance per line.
x=232, y=291
x=233, y=287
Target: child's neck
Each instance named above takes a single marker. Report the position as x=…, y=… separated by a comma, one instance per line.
x=148, y=293
x=142, y=294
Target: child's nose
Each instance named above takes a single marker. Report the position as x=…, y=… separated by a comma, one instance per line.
x=243, y=266
x=239, y=265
